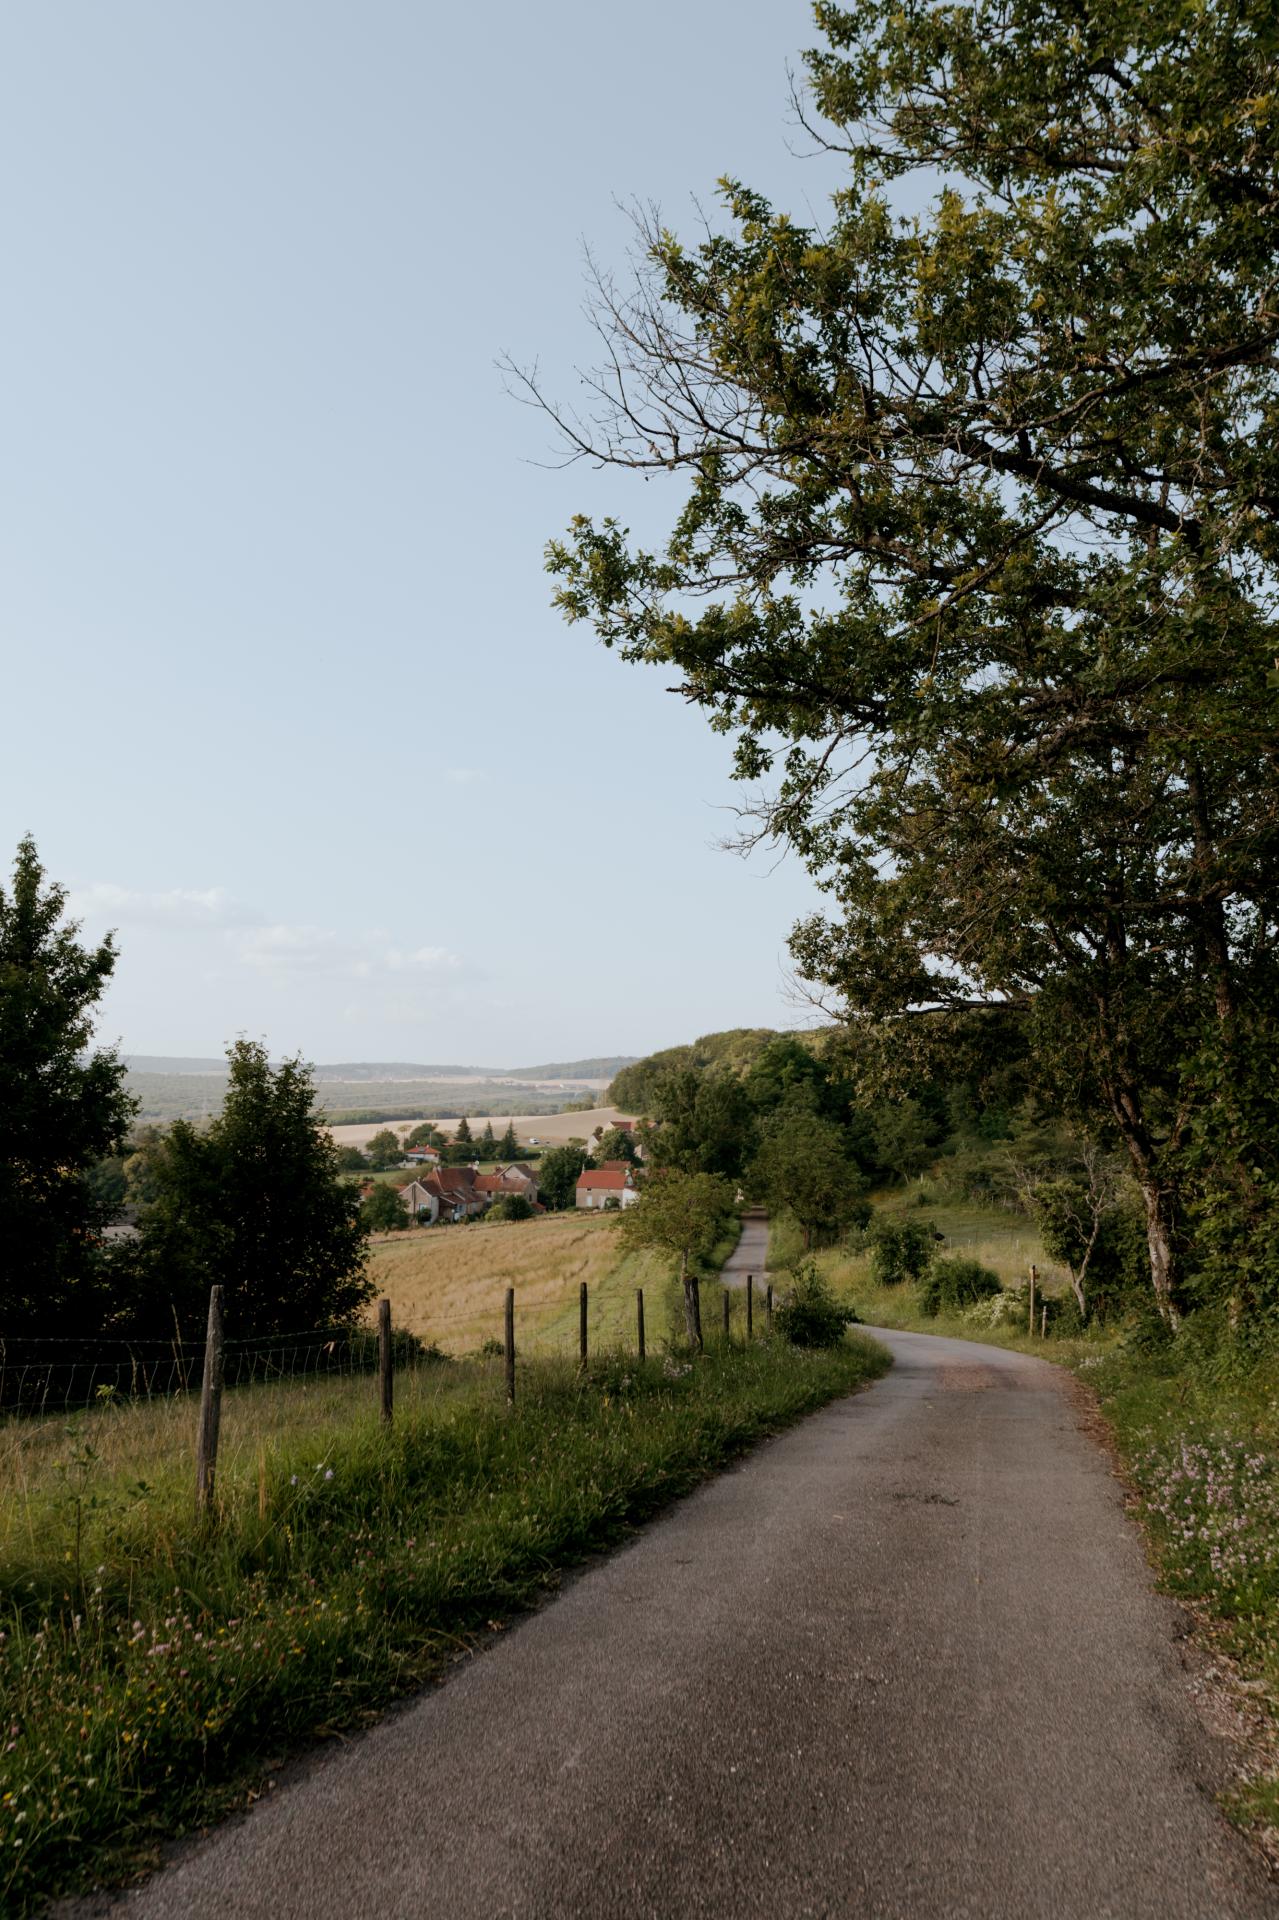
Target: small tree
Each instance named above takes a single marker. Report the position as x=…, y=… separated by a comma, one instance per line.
x=384, y=1151
x=900, y=1250
x=425, y=1135
x=681, y=1215
x=508, y=1147
x=809, y=1315
x=62, y=1106
x=462, y=1133
x=383, y=1210
x=351, y=1160
x=488, y=1149
x=254, y=1204
x=558, y=1175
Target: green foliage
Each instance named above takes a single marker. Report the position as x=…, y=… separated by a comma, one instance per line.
x=808, y=1315
x=462, y=1132
x=1001, y=475
x=614, y=1143
x=557, y=1176
x=905, y=1139
x=900, y=1249
x=950, y=1285
x=384, y=1151
x=508, y=1147
x=705, y=1123
x=1100, y=1239
x=488, y=1147
x=511, y=1206
x=635, y=1089
x=351, y=1160
x=803, y=1166
x=63, y=1107
x=425, y=1135
x=255, y=1205
x=383, y=1211
x=681, y=1215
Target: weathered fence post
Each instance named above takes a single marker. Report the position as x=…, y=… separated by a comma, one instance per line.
x=1043, y=1324
x=1034, y=1275
x=639, y=1318
x=206, y=1445
x=385, y=1360
x=768, y=1304
x=726, y=1320
x=510, y=1346
x=581, y=1325
x=750, y=1306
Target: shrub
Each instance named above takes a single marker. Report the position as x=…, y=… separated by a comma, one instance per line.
x=512, y=1206
x=900, y=1250
x=810, y=1316
x=956, y=1283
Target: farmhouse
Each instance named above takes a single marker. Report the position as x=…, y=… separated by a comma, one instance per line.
x=602, y=1184
x=420, y=1200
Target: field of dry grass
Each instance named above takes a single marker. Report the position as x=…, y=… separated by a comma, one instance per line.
x=448, y=1284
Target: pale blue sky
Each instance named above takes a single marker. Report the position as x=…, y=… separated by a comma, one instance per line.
x=285, y=698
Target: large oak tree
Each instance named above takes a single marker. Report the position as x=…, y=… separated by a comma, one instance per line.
x=976, y=547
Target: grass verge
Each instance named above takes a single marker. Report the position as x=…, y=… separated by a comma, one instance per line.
x=152, y=1669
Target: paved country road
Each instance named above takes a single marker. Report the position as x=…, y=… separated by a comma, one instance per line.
x=904, y=1661
x=749, y=1255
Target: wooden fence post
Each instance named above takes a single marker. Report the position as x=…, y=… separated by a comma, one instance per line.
x=581, y=1325
x=1043, y=1324
x=510, y=1346
x=385, y=1360
x=1034, y=1275
x=750, y=1306
x=639, y=1318
x=206, y=1446
x=726, y=1321
x=768, y=1304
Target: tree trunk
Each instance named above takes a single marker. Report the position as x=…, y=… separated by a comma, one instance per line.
x=692, y=1304
x=1159, y=1239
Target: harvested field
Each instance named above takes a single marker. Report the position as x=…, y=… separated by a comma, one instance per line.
x=448, y=1284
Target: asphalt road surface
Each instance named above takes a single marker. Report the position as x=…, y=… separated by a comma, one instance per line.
x=904, y=1661
x=749, y=1255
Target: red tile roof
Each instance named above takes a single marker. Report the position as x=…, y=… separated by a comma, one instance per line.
x=608, y=1178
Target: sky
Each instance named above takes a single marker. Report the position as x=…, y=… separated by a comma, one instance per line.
x=286, y=702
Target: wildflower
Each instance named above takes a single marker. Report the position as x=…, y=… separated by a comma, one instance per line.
x=329, y=1474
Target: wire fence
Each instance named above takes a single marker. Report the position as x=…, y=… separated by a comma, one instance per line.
x=45, y=1376
x=42, y=1376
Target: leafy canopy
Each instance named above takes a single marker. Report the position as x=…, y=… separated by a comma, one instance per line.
x=254, y=1204
x=977, y=547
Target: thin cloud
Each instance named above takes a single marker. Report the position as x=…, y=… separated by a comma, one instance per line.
x=172, y=907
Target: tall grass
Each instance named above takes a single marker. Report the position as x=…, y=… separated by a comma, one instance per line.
x=151, y=1667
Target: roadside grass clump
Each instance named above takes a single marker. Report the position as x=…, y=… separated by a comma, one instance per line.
x=153, y=1668
x=954, y=1284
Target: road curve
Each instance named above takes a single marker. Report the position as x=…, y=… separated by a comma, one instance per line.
x=904, y=1661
